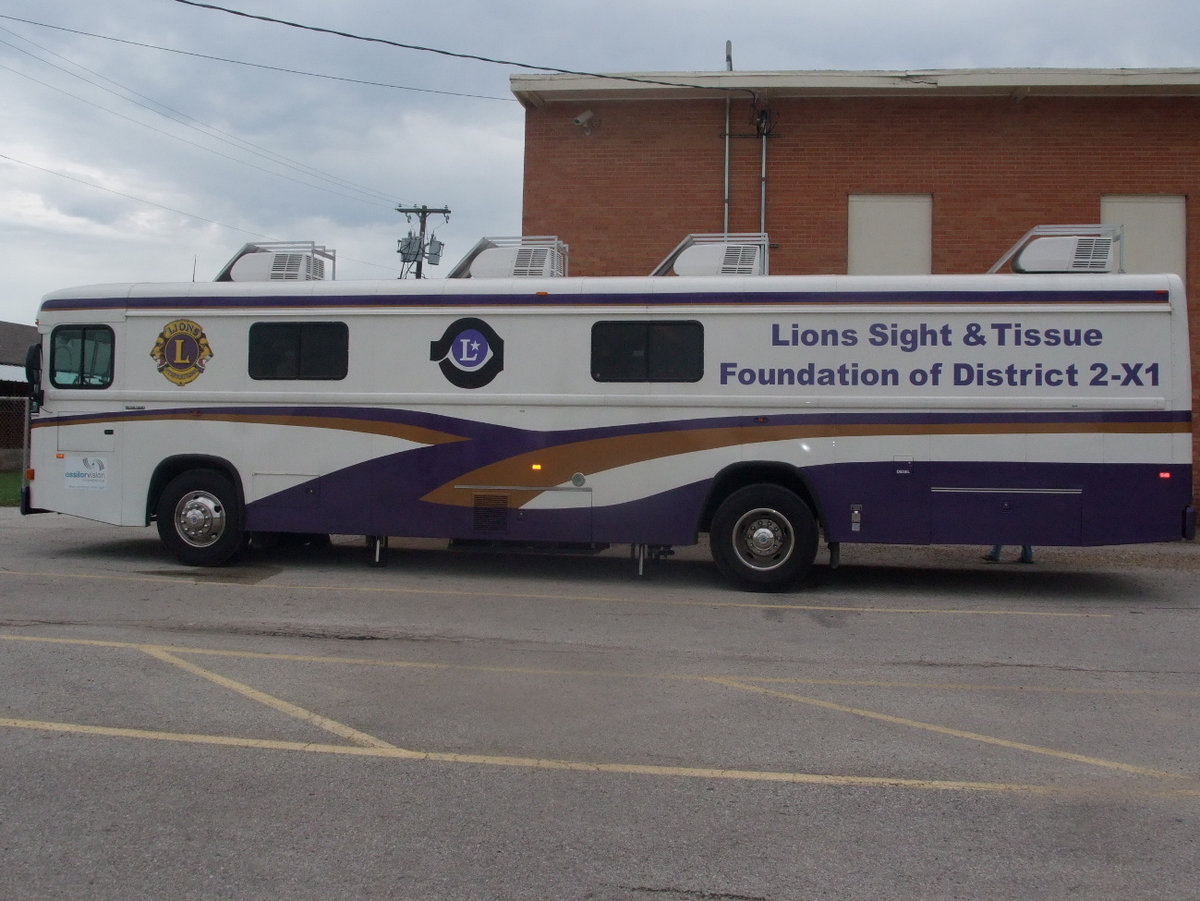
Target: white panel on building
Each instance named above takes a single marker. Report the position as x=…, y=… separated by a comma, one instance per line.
x=890, y=234
x=1155, y=230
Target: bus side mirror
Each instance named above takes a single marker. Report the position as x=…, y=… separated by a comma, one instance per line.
x=33, y=374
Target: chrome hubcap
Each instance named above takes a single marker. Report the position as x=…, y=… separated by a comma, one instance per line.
x=200, y=519
x=763, y=539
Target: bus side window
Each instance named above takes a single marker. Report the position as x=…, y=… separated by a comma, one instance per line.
x=637, y=351
x=299, y=350
x=81, y=356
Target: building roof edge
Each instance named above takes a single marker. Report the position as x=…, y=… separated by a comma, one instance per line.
x=537, y=90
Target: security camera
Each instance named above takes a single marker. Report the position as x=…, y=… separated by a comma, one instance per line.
x=583, y=118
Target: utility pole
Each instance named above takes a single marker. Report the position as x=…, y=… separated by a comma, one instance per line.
x=414, y=248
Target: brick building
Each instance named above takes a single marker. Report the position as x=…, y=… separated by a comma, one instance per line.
x=887, y=172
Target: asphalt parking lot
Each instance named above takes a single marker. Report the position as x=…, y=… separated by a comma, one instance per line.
x=915, y=724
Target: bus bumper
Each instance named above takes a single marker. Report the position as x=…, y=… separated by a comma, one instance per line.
x=27, y=508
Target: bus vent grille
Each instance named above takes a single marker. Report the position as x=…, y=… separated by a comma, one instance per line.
x=741, y=259
x=1093, y=254
x=297, y=267
x=491, y=513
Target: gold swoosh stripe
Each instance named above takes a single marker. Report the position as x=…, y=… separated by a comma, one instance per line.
x=557, y=464
x=414, y=433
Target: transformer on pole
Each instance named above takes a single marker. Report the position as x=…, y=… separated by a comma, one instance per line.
x=414, y=248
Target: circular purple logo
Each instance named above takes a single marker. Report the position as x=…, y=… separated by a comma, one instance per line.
x=470, y=349
x=469, y=353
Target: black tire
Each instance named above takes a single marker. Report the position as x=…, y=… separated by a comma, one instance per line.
x=199, y=519
x=764, y=538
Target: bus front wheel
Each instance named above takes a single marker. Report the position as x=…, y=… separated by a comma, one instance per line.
x=198, y=518
x=764, y=538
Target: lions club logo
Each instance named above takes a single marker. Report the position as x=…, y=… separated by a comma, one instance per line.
x=181, y=351
x=469, y=353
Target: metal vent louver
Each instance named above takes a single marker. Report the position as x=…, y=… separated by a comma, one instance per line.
x=741, y=259
x=284, y=261
x=526, y=256
x=296, y=267
x=1066, y=248
x=534, y=262
x=718, y=254
x=1092, y=254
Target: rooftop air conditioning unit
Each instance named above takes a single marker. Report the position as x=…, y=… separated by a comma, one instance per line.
x=518, y=262
x=280, y=261
x=529, y=256
x=265, y=266
x=719, y=259
x=718, y=254
x=1075, y=253
x=1066, y=248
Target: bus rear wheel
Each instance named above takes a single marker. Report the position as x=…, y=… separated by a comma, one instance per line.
x=198, y=518
x=764, y=538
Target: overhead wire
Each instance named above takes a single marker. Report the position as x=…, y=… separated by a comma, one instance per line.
x=177, y=116
x=240, y=62
x=270, y=155
x=319, y=29
x=190, y=122
x=200, y=126
x=162, y=206
x=183, y=140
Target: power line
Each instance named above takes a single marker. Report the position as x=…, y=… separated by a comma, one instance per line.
x=455, y=54
x=161, y=206
x=191, y=122
x=184, y=140
x=238, y=62
x=91, y=184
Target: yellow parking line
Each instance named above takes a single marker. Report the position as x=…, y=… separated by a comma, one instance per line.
x=581, y=766
x=1023, y=688
x=557, y=596
x=275, y=703
x=612, y=674
x=540, y=763
x=694, y=677
x=946, y=730
x=233, y=741
x=368, y=745
x=977, y=686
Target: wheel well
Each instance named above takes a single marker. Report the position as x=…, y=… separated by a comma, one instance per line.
x=173, y=466
x=732, y=478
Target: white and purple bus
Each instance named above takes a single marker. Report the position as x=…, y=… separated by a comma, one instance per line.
x=1049, y=408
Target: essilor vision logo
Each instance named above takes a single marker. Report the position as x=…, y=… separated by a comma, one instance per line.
x=469, y=353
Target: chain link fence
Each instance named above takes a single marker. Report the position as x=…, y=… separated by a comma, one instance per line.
x=14, y=417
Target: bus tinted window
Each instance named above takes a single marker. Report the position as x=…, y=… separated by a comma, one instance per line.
x=647, y=351
x=81, y=356
x=299, y=350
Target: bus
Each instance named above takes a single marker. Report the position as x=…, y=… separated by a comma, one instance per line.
x=517, y=406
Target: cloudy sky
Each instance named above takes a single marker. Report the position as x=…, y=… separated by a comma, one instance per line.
x=147, y=140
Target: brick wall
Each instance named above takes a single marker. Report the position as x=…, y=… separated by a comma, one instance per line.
x=652, y=172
